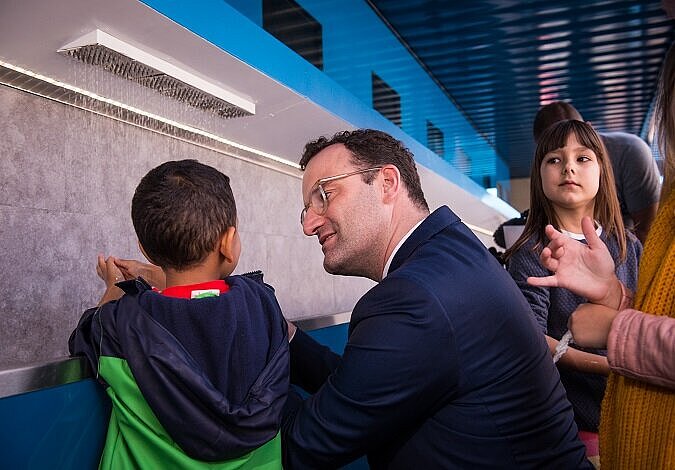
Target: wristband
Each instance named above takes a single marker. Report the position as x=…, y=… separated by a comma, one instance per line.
x=626, y=298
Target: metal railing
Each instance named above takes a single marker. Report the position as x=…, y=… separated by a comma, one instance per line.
x=60, y=371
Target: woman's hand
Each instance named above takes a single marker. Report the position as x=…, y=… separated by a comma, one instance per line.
x=585, y=269
x=590, y=325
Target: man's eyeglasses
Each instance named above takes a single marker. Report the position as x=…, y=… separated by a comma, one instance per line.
x=318, y=200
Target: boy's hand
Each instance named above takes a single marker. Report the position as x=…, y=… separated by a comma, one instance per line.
x=111, y=274
x=108, y=271
x=131, y=269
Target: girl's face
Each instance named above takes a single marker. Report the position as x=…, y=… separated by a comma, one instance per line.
x=570, y=176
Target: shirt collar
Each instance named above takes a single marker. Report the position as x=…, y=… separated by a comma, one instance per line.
x=195, y=291
x=400, y=243
x=580, y=236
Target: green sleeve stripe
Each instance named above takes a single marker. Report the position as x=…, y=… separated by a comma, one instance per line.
x=136, y=438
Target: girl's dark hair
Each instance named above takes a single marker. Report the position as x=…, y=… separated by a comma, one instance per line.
x=606, y=211
x=180, y=210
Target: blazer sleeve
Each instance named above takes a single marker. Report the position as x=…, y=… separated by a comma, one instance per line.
x=642, y=346
x=311, y=362
x=390, y=376
x=523, y=264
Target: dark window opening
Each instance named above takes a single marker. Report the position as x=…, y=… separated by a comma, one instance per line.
x=386, y=101
x=291, y=24
x=435, y=139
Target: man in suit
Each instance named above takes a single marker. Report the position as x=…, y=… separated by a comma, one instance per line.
x=444, y=367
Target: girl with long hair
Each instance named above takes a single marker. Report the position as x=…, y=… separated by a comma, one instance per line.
x=572, y=178
x=637, y=428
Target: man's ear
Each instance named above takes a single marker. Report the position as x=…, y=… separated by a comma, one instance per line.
x=227, y=244
x=391, y=185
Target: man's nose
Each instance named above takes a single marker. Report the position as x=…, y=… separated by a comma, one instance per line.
x=311, y=222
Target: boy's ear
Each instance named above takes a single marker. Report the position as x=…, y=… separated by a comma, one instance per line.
x=140, y=247
x=227, y=244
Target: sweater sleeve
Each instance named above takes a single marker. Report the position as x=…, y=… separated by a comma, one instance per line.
x=522, y=264
x=642, y=346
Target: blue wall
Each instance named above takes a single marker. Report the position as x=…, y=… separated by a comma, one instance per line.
x=355, y=44
x=60, y=427
x=64, y=427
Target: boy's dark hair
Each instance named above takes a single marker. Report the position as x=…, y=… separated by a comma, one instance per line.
x=372, y=148
x=180, y=210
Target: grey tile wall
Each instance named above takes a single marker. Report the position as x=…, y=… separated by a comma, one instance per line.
x=66, y=181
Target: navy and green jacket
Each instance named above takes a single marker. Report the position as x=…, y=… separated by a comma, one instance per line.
x=191, y=380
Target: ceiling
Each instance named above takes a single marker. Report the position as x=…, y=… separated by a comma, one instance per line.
x=499, y=60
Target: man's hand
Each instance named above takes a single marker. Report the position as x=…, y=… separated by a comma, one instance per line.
x=586, y=270
x=590, y=325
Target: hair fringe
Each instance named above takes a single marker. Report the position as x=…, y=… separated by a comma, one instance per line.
x=606, y=211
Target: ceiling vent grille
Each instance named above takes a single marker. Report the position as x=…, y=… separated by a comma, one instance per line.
x=122, y=59
x=31, y=82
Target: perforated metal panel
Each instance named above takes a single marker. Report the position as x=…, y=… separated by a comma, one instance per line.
x=126, y=67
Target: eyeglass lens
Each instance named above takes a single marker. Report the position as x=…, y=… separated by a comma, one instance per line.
x=317, y=202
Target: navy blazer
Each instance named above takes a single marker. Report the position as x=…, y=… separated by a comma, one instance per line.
x=444, y=368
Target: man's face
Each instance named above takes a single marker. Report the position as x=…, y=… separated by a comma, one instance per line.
x=352, y=230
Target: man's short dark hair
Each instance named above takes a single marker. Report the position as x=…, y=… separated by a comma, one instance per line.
x=372, y=148
x=550, y=114
x=180, y=210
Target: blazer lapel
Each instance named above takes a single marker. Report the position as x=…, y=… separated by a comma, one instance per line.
x=436, y=221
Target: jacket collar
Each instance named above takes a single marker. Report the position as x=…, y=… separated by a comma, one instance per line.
x=434, y=223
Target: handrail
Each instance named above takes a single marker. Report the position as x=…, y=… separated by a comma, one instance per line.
x=41, y=375
x=314, y=323
x=64, y=370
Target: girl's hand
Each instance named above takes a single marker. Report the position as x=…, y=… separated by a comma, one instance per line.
x=585, y=269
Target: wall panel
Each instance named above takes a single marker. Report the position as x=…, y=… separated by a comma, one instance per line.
x=67, y=177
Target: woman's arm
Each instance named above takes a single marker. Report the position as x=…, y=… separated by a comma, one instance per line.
x=639, y=345
x=642, y=346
